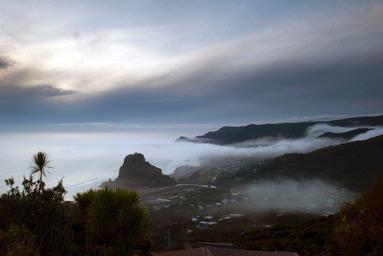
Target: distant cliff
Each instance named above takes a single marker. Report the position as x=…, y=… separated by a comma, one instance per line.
x=236, y=134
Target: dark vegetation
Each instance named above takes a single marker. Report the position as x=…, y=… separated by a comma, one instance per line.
x=307, y=238
x=360, y=228
x=228, y=231
x=354, y=165
x=35, y=220
x=236, y=134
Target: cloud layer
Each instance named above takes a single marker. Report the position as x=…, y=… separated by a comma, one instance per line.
x=328, y=62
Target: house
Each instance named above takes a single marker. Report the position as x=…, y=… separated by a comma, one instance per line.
x=216, y=251
x=203, y=225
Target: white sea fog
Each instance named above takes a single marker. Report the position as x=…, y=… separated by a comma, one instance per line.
x=86, y=155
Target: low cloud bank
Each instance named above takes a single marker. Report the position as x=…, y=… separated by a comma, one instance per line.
x=308, y=196
x=369, y=134
x=87, y=158
x=319, y=129
x=271, y=147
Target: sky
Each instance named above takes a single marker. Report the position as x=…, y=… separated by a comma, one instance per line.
x=188, y=61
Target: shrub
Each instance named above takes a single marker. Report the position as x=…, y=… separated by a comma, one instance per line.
x=114, y=218
x=360, y=228
x=18, y=241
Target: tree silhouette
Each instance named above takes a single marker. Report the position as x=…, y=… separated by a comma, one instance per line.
x=38, y=212
x=35, y=220
x=40, y=165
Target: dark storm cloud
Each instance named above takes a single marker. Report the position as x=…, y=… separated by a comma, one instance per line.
x=21, y=105
x=348, y=85
x=317, y=67
x=27, y=94
x=5, y=63
x=334, y=69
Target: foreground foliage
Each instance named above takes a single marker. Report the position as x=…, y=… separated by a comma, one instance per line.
x=307, y=238
x=360, y=229
x=35, y=220
x=115, y=221
x=356, y=230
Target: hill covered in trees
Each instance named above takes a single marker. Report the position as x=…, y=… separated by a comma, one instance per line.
x=236, y=134
x=353, y=165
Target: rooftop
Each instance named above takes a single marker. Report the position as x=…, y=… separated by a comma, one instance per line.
x=215, y=251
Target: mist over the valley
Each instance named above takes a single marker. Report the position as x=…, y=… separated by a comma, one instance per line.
x=191, y=127
x=370, y=134
x=85, y=160
x=304, y=196
x=270, y=147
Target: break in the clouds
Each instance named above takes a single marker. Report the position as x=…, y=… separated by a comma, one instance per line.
x=198, y=61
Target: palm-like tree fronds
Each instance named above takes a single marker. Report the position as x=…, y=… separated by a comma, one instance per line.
x=40, y=164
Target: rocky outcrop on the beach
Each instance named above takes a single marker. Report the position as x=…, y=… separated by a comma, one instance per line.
x=137, y=172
